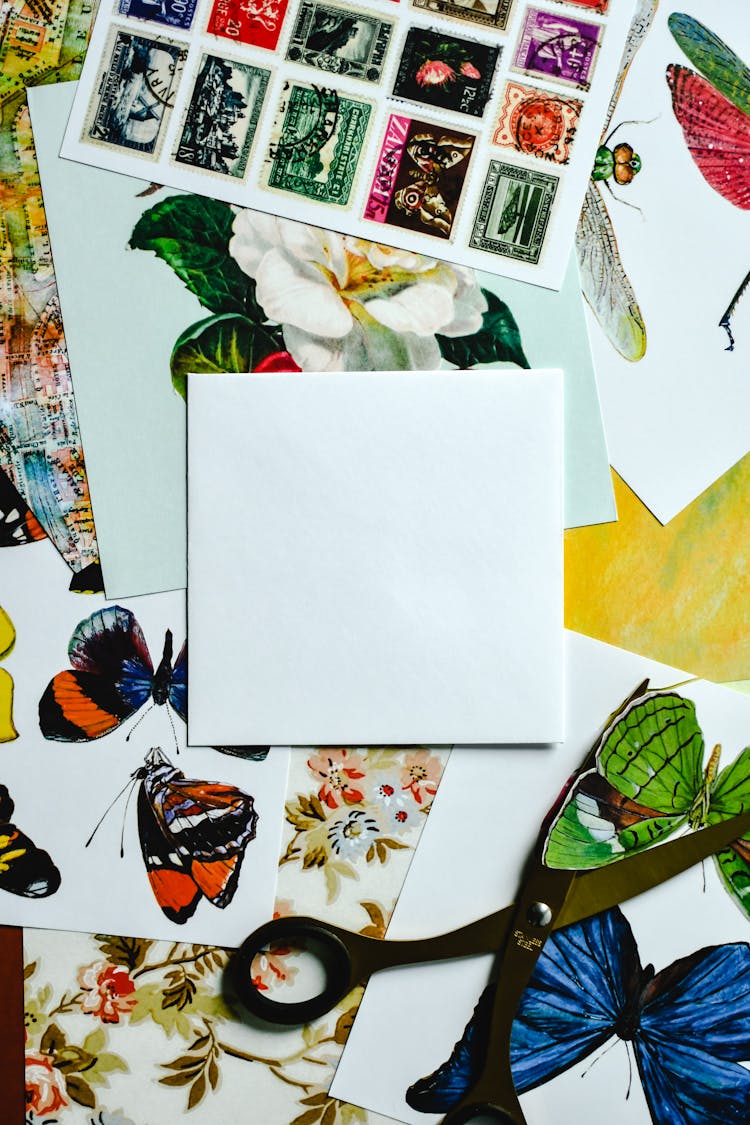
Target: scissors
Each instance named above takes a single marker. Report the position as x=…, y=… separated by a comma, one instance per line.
x=548, y=899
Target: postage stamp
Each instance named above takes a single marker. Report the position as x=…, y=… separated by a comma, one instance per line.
x=340, y=40
x=445, y=71
x=536, y=123
x=488, y=13
x=514, y=212
x=257, y=23
x=419, y=176
x=600, y=6
x=222, y=116
x=135, y=93
x=173, y=13
x=559, y=47
x=318, y=137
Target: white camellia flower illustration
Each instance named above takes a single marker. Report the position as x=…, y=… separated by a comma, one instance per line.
x=346, y=304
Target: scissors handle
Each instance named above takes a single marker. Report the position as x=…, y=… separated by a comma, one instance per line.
x=349, y=959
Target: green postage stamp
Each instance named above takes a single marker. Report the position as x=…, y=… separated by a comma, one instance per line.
x=318, y=137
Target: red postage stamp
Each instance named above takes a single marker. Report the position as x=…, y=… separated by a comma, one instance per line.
x=254, y=22
x=536, y=123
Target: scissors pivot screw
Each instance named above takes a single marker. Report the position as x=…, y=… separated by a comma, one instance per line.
x=539, y=914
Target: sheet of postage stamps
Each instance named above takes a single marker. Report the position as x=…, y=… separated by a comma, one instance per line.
x=340, y=40
x=172, y=13
x=318, y=137
x=514, y=211
x=445, y=71
x=222, y=116
x=559, y=47
x=256, y=23
x=136, y=92
x=419, y=176
x=489, y=13
x=536, y=122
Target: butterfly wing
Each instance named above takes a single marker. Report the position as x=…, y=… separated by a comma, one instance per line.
x=713, y=58
x=583, y=979
x=178, y=684
x=208, y=825
x=25, y=869
x=249, y=753
x=18, y=524
x=694, y=1032
x=716, y=132
x=112, y=677
x=604, y=282
x=174, y=888
x=650, y=763
x=731, y=796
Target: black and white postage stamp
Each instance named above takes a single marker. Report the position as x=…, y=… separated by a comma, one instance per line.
x=486, y=13
x=340, y=40
x=446, y=71
x=514, y=212
x=222, y=116
x=135, y=92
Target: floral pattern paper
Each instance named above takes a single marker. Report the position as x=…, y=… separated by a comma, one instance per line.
x=126, y=1031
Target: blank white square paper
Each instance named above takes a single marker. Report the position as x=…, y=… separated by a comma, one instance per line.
x=375, y=558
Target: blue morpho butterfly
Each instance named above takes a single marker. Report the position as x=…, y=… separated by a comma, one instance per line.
x=112, y=677
x=689, y=1025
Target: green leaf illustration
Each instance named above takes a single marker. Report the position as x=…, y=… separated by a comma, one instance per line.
x=191, y=234
x=498, y=340
x=53, y=1040
x=221, y=343
x=126, y=951
x=79, y=1091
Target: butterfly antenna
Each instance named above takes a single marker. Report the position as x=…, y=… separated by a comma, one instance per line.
x=680, y=683
x=138, y=721
x=630, y=1074
x=174, y=732
x=130, y=782
x=600, y=1056
x=124, y=817
x=609, y=137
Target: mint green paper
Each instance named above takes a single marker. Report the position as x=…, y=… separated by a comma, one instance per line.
x=123, y=310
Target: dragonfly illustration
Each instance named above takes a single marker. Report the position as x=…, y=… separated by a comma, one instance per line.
x=605, y=284
x=713, y=109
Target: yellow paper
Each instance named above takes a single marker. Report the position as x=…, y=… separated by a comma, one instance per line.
x=676, y=593
x=7, y=639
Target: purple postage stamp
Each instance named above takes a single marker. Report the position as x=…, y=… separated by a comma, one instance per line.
x=559, y=47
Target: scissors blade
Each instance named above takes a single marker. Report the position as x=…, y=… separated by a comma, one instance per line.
x=604, y=887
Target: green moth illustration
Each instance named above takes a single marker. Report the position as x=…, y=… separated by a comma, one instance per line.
x=647, y=780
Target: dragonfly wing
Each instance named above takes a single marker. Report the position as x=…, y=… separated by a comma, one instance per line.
x=605, y=284
x=642, y=20
x=713, y=58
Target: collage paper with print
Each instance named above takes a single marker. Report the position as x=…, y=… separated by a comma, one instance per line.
x=461, y=130
x=647, y=1053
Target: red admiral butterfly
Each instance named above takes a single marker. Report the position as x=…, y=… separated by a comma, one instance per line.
x=193, y=836
x=18, y=524
x=24, y=868
x=113, y=678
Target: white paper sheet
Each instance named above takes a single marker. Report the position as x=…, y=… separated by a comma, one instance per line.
x=61, y=789
x=676, y=420
x=375, y=558
x=411, y=1017
x=355, y=130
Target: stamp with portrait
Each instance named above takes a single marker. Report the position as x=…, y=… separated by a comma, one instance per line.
x=256, y=23
x=514, y=212
x=172, y=13
x=419, y=176
x=486, y=13
x=559, y=47
x=340, y=40
x=445, y=71
x=318, y=137
x=135, y=93
x=536, y=122
x=222, y=115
